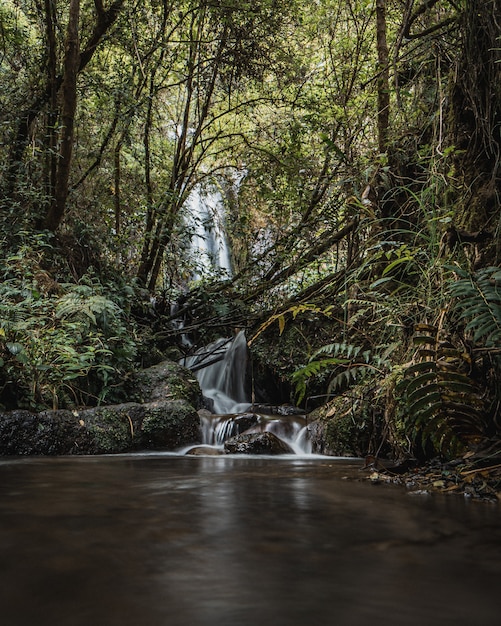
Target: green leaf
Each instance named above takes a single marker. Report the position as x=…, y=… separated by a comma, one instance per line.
x=14, y=348
x=395, y=263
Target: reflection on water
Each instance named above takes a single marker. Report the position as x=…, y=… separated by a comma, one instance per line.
x=197, y=541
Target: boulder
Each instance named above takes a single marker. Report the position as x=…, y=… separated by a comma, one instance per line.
x=165, y=381
x=283, y=410
x=159, y=425
x=257, y=443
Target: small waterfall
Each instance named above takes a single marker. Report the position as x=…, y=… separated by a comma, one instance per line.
x=221, y=369
x=217, y=429
x=209, y=244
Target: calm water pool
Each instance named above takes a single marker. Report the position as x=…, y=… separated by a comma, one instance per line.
x=154, y=540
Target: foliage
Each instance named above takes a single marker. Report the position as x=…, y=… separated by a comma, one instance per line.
x=445, y=406
x=477, y=301
x=344, y=364
x=63, y=349
x=327, y=224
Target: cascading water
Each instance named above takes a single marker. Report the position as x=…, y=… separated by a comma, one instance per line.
x=222, y=372
x=222, y=367
x=209, y=244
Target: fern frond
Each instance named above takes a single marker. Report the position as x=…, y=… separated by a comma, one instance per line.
x=334, y=349
x=347, y=377
x=478, y=301
x=98, y=309
x=444, y=404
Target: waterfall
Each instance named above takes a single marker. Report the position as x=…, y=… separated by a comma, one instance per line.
x=209, y=244
x=222, y=372
x=216, y=429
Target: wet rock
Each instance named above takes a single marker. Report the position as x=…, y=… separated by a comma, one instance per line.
x=160, y=425
x=244, y=422
x=204, y=451
x=257, y=443
x=281, y=409
x=316, y=435
x=166, y=425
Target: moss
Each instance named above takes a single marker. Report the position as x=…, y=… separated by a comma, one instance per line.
x=110, y=431
x=165, y=381
x=341, y=436
x=353, y=423
x=169, y=425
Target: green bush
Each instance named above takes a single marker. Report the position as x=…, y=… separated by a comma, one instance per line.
x=68, y=348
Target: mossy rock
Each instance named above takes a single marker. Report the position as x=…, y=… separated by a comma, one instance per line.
x=161, y=425
x=257, y=443
x=168, y=425
x=165, y=381
x=344, y=426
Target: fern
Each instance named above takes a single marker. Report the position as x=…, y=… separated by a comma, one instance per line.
x=478, y=302
x=444, y=403
x=347, y=362
x=98, y=309
x=334, y=349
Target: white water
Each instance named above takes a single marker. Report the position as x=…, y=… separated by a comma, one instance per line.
x=209, y=244
x=224, y=385
x=223, y=382
x=216, y=429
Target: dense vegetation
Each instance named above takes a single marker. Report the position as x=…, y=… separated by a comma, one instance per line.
x=356, y=146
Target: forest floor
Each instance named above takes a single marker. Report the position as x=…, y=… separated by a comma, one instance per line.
x=475, y=477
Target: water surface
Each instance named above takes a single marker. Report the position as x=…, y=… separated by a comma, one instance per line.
x=160, y=540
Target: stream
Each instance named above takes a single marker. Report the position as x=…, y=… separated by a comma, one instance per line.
x=168, y=540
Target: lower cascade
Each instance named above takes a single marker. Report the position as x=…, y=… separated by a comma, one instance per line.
x=231, y=421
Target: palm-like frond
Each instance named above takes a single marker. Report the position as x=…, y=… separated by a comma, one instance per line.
x=346, y=364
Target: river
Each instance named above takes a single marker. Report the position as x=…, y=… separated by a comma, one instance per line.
x=165, y=540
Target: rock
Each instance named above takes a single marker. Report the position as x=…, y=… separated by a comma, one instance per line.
x=167, y=425
x=281, y=409
x=257, y=443
x=244, y=422
x=160, y=425
x=204, y=451
x=165, y=381
x=316, y=435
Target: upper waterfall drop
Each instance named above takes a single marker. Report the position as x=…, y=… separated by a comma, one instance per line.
x=206, y=215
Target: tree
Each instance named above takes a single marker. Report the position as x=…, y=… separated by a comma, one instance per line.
x=383, y=83
x=47, y=99
x=68, y=108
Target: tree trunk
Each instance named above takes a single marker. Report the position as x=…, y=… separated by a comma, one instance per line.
x=184, y=164
x=69, y=105
x=51, y=133
x=476, y=117
x=27, y=117
x=117, y=198
x=383, y=83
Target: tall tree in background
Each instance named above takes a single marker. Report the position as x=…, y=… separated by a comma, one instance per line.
x=476, y=114
x=68, y=108
x=52, y=102
x=219, y=49
x=383, y=82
